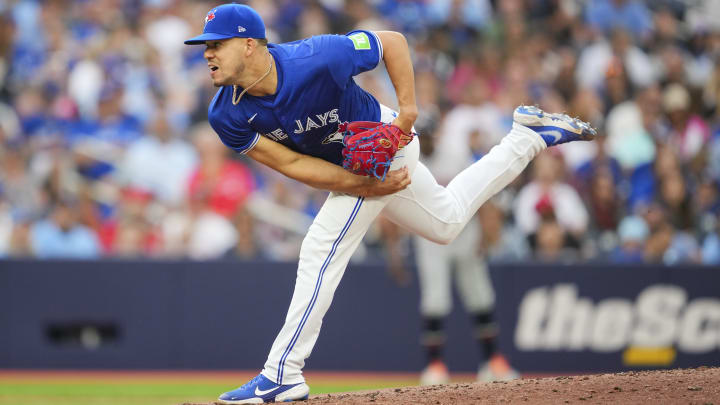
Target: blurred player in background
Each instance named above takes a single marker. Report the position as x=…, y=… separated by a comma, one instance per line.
x=438, y=267
x=461, y=263
x=466, y=134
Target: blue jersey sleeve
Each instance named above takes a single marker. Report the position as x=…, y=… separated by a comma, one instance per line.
x=351, y=54
x=239, y=138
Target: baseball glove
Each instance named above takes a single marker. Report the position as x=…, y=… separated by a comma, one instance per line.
x=370, y=147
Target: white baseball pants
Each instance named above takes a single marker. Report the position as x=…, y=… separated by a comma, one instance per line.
x=440, y=265
x=424, y=208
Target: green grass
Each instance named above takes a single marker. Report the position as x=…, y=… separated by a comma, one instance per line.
x=145, y=392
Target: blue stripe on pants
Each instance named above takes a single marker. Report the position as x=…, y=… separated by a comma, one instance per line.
x=310, y=306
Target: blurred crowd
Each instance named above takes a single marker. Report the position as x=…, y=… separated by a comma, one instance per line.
x=105, y=150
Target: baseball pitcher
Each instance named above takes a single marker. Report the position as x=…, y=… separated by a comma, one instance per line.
x=296, y=108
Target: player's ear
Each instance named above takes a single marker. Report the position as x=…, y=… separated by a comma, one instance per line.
x=249, y=46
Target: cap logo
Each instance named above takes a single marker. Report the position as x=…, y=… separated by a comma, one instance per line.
x=210, y=16
x=241, y=28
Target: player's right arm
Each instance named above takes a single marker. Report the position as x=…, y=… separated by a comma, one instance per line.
x=324, y=175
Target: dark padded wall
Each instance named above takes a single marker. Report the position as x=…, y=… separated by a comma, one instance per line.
x=225, y=315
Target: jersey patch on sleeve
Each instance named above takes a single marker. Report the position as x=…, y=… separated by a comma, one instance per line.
x=361, y=41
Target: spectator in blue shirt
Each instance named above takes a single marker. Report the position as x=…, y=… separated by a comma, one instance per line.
x=62, y=236
x=631, y=15
x=711, y=249
x=633, y=232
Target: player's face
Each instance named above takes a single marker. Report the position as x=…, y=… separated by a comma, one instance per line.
x=225, y=60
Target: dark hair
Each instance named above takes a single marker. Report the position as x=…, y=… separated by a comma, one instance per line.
x=262, y=41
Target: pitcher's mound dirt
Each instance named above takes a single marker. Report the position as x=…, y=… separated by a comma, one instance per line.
x=686, y=386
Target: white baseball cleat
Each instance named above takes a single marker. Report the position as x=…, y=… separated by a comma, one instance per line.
x=435, y=373
x=554, y=129
x=497, y=369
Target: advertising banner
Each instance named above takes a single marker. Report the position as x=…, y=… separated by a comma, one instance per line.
x=600, y=318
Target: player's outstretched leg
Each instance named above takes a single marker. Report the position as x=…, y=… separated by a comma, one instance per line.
x=439, y=213
x=554, y=129
x=260, y=389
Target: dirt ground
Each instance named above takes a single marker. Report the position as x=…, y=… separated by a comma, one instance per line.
x=699, y=386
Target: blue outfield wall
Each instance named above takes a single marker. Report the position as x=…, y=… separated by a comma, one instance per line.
x=225, y=314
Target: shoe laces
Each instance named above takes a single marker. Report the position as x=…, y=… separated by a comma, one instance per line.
x=251, y=382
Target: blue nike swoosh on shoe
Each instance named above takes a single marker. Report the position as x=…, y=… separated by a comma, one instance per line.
x=555, y=134
x=554, y=129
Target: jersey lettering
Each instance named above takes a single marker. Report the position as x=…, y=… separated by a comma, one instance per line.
x=311, y=124
x=276, y=135
x=300, y=129
x=325, y=118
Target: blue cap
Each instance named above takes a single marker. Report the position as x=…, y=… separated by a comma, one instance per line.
x=230, y=21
